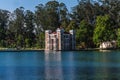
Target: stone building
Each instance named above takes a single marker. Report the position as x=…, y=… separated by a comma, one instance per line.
x=60, y=40
x=108, y=45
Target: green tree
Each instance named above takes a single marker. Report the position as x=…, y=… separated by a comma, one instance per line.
x=41, y=40
x=72, y=25
x=118, y=38
x=51, y=15
x=4, y=19
x=104, y=30
x=19, y=26
x=41, y=18
x=84, y=10
x=29, y=28
x=84, y=34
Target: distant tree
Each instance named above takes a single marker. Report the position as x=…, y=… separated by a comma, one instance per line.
x=41, y=18
x=84, y=10
x=52, y=10
x=41, y=40
x=18, y=24
x=26, y=28
x=104, y=30
x=29, y=28
x=51, y=15
x=84, y=34
x=4, y=20
x=72, y=25
x=118, y=38
x=63, y=15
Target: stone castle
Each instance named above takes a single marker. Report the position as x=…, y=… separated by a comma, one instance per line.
x=60, y=40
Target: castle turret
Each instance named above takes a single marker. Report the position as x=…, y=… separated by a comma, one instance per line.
x=73, y=40
x=47, y=39
x=59, y=36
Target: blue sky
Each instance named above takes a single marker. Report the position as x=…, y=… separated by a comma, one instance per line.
x=30, y=4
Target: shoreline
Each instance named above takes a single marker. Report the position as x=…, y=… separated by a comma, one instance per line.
x=18, y=50
x=37, y=49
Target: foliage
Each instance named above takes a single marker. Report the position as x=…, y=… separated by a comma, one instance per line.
x=84, y=34
x=40, y=40
x=94, y=21
x=118, y=38
x=104, y=30
x=72, y=25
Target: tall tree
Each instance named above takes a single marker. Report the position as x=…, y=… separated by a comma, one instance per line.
x=19, y=26
x=41, y=18
x=104, y=30
x=84, y=10
x=4, y=20
x=63, y=15
x=84, y=34
x=29, y=28
x=52, y=10
x=72, y=25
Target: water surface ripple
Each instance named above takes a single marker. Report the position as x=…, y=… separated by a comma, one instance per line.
x=65, y=65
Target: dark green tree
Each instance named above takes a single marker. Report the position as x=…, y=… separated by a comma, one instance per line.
x=29, y=29
x=84, y=34
x=72, y=25
x=118, y=38
x=4, y=19
x=19, y=25
x=104, y=30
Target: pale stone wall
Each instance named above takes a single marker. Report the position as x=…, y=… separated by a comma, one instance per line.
x=47, y=39
x=60, y=40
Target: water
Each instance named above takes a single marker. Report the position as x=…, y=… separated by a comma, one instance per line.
x=67, y=65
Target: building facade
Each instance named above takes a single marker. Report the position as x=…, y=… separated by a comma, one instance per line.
x=60, y=40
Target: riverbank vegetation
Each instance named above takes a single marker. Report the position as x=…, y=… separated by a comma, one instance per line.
x=95, y=21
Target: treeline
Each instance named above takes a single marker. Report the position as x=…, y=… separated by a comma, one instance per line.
x=94, y=22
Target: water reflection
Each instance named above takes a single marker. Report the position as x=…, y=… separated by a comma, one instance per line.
x=53, y=66
x=10, y=75
x=68, y=65
x=21, y=66
x=108, y=68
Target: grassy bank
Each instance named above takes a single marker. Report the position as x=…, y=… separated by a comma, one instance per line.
x=21, y=49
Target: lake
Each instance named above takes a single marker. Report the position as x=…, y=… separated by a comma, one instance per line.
x=65, y=65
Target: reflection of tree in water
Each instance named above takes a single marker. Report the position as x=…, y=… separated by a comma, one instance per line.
x=107, y=68
x=69, y=66
x=85, y=70
x=23, y=66
x=114, y=61
x=9, y=72
x=60, y=66
x=101, y=72
x=53, y=66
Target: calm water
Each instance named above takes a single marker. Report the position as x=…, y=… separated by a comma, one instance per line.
x=68, y=65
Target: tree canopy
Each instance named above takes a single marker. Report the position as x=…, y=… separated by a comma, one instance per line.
x=104, y=30
x=93, y=20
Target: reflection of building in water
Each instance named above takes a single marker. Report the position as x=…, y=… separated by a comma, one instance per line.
x=53, y=66
x=59, y=40
x=70, y=67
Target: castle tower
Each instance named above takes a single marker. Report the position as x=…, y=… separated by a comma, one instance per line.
x=47, y=39
x=60, y=38
x=73, y=40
